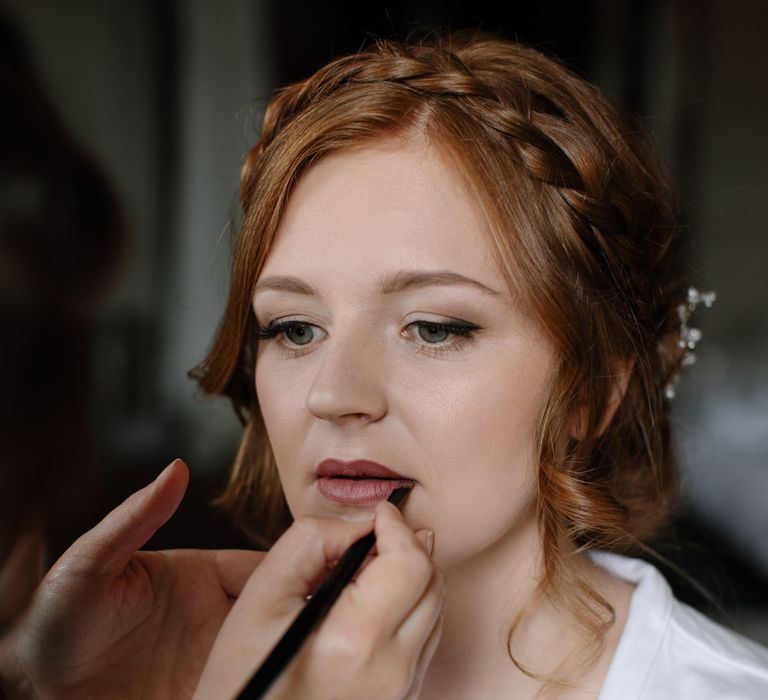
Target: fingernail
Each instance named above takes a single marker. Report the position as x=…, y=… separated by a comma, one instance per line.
x=430, y=541
x=357, y=516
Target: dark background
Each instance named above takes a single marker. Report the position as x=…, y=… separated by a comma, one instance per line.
x=167, y=95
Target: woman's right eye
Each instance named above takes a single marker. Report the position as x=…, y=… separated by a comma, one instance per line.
x=296, y=333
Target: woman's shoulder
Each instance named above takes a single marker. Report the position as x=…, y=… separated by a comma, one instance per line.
x=669, y=650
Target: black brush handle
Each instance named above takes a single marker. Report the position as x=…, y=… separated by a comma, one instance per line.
x=314, y=611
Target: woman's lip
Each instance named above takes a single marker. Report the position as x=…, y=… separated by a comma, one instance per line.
x=356, y=468
x=359, y=492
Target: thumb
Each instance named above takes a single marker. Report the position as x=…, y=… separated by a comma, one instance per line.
x=107, y=548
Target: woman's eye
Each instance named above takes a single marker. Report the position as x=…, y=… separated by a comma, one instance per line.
x=433, y=333
x=442, y=332
x=296, y=333
x=299, y=333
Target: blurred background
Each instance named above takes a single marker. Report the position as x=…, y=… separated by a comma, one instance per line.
x=153, y=103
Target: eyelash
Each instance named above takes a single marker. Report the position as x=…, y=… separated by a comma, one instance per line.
x=463, y=332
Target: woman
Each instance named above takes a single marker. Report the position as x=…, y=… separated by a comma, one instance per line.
x=460, y=268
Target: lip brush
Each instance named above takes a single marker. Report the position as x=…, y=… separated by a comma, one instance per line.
x=314, y=611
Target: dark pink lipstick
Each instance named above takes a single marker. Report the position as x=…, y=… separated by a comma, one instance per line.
x=359, y=482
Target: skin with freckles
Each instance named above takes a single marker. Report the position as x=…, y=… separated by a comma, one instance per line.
x=399, y=342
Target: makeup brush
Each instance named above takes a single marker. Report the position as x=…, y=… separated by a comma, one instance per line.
x=314, y=611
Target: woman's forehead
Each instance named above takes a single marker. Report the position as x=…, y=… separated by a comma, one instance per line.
x=382, y=209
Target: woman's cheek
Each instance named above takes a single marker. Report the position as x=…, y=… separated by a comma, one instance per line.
x=479, y=455
x=281, y=394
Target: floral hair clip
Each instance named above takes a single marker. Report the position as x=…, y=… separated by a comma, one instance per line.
x=689, y=336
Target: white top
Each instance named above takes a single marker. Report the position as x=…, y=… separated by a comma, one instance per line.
x=669, y=651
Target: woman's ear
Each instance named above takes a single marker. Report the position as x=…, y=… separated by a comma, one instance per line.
x=621, y=372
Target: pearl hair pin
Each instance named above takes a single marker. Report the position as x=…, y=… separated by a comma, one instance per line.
x=689, y=336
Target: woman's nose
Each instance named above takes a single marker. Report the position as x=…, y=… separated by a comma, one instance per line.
x=349, y=383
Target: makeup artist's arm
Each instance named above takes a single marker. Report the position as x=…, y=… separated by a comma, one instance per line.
x=110, y=622
x=377, y=639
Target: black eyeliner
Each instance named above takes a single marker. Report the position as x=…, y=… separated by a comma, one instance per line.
x=462, y=329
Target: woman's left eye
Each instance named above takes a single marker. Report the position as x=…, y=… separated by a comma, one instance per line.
x=438, y=332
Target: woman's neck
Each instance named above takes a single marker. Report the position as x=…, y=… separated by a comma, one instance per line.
x=485, y=596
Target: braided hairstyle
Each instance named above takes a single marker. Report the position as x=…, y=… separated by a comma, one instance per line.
x=582, y=225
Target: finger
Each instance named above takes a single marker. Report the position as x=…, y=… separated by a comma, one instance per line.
x=298, y=560
x=106, y=548
x=425, y=656
x=416, y=627
x=235, y=567
x=425, y=537
x=390, y=586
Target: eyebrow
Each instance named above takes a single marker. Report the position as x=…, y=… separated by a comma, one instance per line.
x=409, y=279
x=284, y=283
x=391, y=284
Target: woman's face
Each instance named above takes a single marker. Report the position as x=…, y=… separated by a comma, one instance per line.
x=395, y=340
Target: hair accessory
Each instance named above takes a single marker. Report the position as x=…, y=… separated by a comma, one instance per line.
x=689, y=336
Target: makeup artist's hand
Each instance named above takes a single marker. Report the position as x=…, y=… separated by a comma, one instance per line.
x=110, y=622
x=378, y=638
